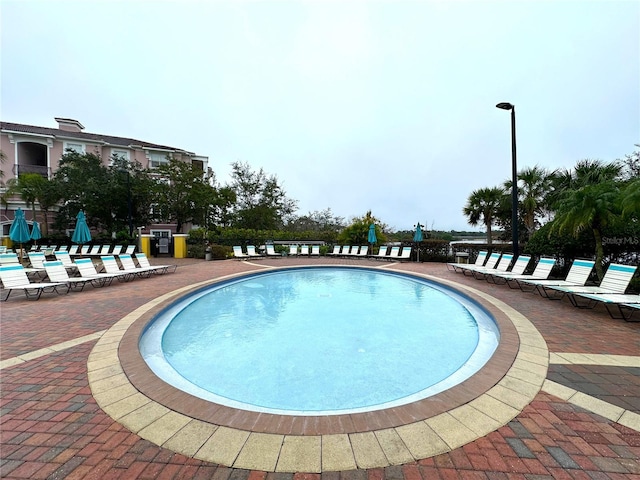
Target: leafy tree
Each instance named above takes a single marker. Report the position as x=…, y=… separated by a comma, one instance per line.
x=221, y=210
x=261, y=203
x=482, y=207
x=317, y=221
x=357, y=233
x=82, y=179
x=129, y=178
x=183, y=193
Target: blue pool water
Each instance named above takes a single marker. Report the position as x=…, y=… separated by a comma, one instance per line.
x=312, y=341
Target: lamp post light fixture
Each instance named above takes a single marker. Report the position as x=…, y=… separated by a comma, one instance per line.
x=514, y=180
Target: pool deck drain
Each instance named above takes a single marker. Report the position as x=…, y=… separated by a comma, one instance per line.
x=311, y=446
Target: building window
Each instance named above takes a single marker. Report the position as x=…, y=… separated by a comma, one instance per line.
x=76, y=147
x=157, y=159
x=115, y=152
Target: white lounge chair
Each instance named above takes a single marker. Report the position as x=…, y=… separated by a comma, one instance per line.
x=11, y=258
x=87, y=269
x=345, y=251
x=14, y=277
x=615, y=280
x=480, y=260
x=304, y=250
x=65, y=258
x=502, y=266
x=405, y=253
x=577, y=276
x=117, y=250
x=36, y=259
x=129, y=265
x=73, y=250
x=293, y=250
x=130, y=249
x=541, y=272
x=490, y=264
x=315, y=250
x=519, y=266
x=251, y=251
x=238, y=253
x=84, y=250
x=95, y=251
x=111, y=266
x=335, y=251
x=364, y=250
x=394, y=253
x=57, y=272
x=271, y=251
x=382, y=252
x=143, y=261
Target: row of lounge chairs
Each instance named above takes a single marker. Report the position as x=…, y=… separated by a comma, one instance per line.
x=64, y=274
x=610, y=292
x=385, y=253
x=80, y=250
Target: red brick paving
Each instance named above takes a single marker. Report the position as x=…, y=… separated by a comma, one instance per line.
x=50, y=426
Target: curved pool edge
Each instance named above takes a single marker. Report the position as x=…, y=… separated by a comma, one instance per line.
x=126, y=389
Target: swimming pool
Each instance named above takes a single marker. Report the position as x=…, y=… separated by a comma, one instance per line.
x=318, y=341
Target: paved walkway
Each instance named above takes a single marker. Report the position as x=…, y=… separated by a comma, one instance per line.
x=583, y=423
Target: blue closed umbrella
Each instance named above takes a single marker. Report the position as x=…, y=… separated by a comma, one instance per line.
x=19, y=230
x=417, y=237
x=81, y=234
x=35, y=231
x=372, y=234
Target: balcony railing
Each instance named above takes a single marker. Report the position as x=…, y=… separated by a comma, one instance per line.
x=22, y=169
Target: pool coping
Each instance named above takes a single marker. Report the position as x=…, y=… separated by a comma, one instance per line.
x=126, y=389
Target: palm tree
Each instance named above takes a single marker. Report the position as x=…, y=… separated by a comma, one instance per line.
x=592, y=207
x=30, y=187
x=534, y=185
x=482, y=207
x=586, y=172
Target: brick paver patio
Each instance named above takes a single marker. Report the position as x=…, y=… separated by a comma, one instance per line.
x=51, y=426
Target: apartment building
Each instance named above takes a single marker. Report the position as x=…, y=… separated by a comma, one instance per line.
x=36, y=149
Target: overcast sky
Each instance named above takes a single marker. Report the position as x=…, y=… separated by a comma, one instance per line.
x=354, y=106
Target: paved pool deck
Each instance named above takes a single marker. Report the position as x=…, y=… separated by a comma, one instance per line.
x=562, y=402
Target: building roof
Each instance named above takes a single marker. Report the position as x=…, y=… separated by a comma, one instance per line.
x=8, y=127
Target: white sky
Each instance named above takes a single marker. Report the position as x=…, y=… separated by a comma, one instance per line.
x=354, y=106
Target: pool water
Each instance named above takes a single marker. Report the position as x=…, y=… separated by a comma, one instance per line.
x=319, y=341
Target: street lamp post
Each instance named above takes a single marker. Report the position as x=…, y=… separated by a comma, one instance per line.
x=514, y=181
x=129, y=204
x=130, y=212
